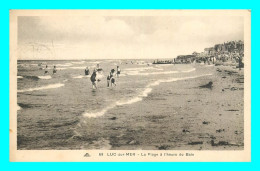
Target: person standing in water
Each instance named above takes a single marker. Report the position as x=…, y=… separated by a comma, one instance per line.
x=86, y=71
x=117, y=71
x=98, y=68
x=113, y=81
x=93, y=79
x=46, y=70
x=108, y=80
x=112, y=78
x=54, y=70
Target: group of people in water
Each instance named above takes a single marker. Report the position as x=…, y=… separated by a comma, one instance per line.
x=54, y=70
x=111, y=81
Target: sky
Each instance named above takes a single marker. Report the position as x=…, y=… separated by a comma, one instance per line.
x=122, y=37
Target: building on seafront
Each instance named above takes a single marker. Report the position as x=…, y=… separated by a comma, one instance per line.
x=228, y=51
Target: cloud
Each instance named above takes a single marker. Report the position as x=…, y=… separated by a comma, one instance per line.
x=123, y=37
x=76, y=29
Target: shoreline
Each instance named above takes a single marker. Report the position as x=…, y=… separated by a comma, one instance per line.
x=200, y=118
x=180, y=115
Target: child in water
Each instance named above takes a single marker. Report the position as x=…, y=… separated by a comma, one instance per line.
x=54, y=70
x=113, y=81
x=117, y=71
x=86, y=71
x=93, y=79
x=108, y=80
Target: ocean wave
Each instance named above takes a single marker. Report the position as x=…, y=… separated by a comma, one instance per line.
x=50, y=86
x=139, y=72
x=147, y=90
x=80, y=62
x=93, y=62
x=61, y=68
x=18, y=107
x=36, y=78
x=81, y=76
x=45, y=77
x=78, y=67
x=100, y=113
x=64, y=65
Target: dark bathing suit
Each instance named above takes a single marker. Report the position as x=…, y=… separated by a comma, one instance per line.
x=86, y=72
x=112, y=80
x=93, y=77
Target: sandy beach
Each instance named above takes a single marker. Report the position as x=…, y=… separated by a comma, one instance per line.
x=184, y=117
x=167, y=107
x=190, y=118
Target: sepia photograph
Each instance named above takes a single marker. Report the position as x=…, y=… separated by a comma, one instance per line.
x=130, y=80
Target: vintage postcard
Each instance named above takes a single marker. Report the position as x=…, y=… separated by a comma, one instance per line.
x=130, y=85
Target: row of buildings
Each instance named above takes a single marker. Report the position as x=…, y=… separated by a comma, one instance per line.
x=232, y=50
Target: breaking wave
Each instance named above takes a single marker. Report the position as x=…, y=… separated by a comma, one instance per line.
x=80, y=62
x=46, y=77
x=64, y=65
x=148, y=89
x=18, y=107
x=132, y=72
x=81, y=76
x=51, y=86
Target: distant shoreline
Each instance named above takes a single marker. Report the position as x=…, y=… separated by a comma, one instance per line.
x=89, y=59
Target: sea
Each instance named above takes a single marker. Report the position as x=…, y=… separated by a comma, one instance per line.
x=62, y=111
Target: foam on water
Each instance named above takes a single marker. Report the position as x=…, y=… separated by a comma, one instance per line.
x=80, y=62
x=64, y=65
x=148, y=89
x=152, y=73
x=137, y=71
x=51, y=86
x=93, y=62
x=130, y=101
x=18, y=107
x=46, y=77
x=81, y=76
x=61, y=68
x=100, y=113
